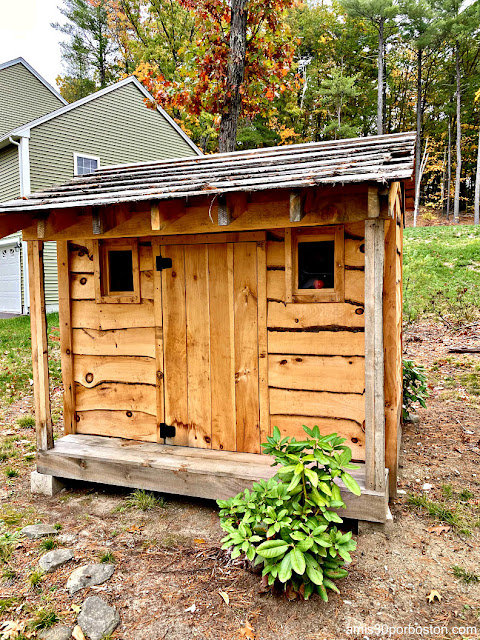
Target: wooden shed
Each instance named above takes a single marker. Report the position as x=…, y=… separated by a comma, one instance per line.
x=205, y=300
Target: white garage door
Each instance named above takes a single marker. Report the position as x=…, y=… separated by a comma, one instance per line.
x=10, y=275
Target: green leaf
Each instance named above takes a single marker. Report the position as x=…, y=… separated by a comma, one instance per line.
x=330, y=585
x=272, y=548
x=285, y=571
x=312, y=476
x=298, y=469
x=323, y=486
x=298, y=561
x=344, y=554
x=315, y=575
x=305, y=545
x=276, y=434
x=350, y=483
x=294, y=483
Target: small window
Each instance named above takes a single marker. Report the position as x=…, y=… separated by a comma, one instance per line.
x=117, y=278
x=85, y=164
x=314, y=264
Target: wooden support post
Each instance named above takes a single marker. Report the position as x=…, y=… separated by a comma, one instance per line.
x=38, y=322
x=224, y=211
x=164, y=213
x=374, y=357
x=373, y=202
x=296, y=206
x=66, y=349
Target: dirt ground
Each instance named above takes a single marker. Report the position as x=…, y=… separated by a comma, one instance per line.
x=429, y=217
x=170, y=569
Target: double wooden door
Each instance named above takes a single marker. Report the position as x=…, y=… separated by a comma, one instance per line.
x=211, y=326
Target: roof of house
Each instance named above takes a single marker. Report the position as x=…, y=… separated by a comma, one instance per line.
x=10, y=63
x=379, y=159
x=25, y=128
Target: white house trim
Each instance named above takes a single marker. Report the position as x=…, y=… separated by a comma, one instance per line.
x=11, y=63
x=83, y=155
x=19, y=131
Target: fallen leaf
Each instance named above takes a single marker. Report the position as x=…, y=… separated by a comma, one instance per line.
x=225, y=596
x=199, y=540
x=11, y=629
x=442, y=528
x=77, y=633
x=434, y=595
x=247, y=631
x=76, y=608
x=191, y=609
x=133, y=528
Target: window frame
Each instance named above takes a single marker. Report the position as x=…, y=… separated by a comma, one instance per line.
x=76, y=156
x=101, y=250
x=294, y=237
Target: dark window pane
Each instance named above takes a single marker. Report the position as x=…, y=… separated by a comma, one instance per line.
x=121, y=271
x=316, y=262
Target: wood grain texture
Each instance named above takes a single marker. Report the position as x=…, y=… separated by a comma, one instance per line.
x=246, y=347
x=117, y=396
x=82, y=286
x=263, y=393
x=180, y=470
x=134, y=425
x=81, y=256
x=122, y=342
x=314, y=315
x=355, y=287
x=355, y=252
x=90, y=371
x=88, y=314
x=292, y=426
x=66, y=345
x=38, y=326
x=222, y=346
x=198, y=346
x=147, y=286
x=317, y=373
x=175, y=343
x=318, y=404
x=158, y=341
x=321, y=343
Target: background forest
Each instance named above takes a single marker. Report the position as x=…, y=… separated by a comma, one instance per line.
x=270, y=72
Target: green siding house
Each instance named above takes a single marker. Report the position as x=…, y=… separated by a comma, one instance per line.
x=44, y=141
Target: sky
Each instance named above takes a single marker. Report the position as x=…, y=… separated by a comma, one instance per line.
x=25, y=32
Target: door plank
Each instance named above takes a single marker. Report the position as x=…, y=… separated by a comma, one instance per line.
x=134, y=425
x=90, y=371
x=222, y=348
x=246, y=347
x=122, y=342
x=113, y=396
x=198, y=346
x=317, y=373
x=175, y=343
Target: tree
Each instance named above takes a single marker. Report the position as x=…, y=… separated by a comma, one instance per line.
x=336, y=90
x=90, y=51
x=378, y=13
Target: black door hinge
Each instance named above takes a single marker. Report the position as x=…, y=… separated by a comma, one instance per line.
x=167, y=430
x=163, y=263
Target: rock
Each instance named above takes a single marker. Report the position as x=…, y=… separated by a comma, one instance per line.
x=427, y=487
x=59, y=632
x=35, y=531
x=89, y=575
x=67, y=538
x=97, y=618
x=54, y=559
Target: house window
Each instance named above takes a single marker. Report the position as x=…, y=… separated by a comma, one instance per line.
x=315, y=264
x=117, y=271
x=85, y=164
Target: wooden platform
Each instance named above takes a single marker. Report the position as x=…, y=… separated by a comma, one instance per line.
x=203, y=473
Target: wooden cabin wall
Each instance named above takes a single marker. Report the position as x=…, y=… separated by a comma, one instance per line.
x=112, y=360
x=316, y=363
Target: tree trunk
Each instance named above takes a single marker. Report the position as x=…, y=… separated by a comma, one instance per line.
x=449, y=166
x=458, y=169
x=381, y=51
x=476, y=206
x=232, y=105
x=418, y=148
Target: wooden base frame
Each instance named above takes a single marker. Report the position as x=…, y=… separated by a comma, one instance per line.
x=203, y=473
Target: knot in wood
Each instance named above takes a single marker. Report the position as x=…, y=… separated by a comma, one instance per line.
x=359, y=311
x=89, y=378
x=83, y=281
x=129, y=414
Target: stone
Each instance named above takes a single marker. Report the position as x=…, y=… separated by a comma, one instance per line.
x=88, y=576
x=365, y=527
x=44, y=484
x=427, y=486
x=97, y=618
x=54, y=559
x=35, y=531
x=66, y=538
x=59, y=632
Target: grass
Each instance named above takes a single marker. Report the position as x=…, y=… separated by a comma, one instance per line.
x=47, y=544
x=7, y=603
x=26, y=422
x=453, y=510
x=16, y=357
x=8, y=543
x=144, y=501
x=107, y=557
x=8, y=573
x=442, y=273
x=465, y=576
x=44, y=619
x=10, y=472
x=35, y=578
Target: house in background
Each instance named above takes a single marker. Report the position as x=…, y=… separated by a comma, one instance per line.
x=45, y=141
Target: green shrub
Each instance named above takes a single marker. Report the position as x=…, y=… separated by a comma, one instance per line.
x=144, y=501
x=286, y=524
x=414, y=387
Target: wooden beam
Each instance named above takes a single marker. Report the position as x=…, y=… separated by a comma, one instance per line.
x=374, y=357
x=13, y=222
x=166, y=212
x=373, y=202
x=66, y=348
x=38, y=322
x=297, y=211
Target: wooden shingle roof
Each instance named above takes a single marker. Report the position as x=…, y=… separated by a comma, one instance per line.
x=381, y=159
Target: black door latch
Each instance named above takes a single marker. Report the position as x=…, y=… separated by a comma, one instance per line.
x=163, y=263
x=167, y=430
